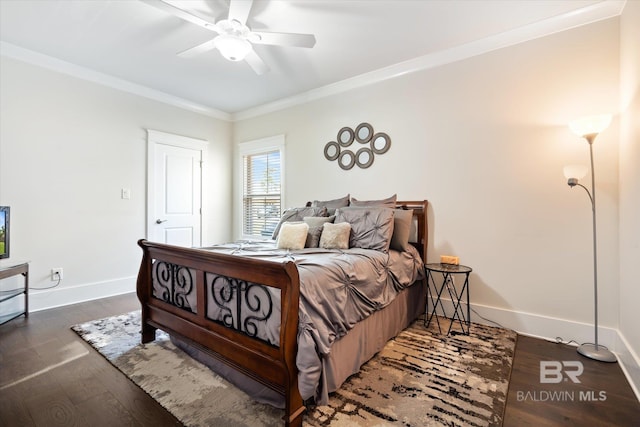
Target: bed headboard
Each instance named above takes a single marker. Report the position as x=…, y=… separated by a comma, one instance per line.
x=421, y=237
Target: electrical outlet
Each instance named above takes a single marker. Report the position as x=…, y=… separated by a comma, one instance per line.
x=449, y=259
x=56, y=274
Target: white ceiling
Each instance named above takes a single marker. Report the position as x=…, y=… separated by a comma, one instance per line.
x=137, y=43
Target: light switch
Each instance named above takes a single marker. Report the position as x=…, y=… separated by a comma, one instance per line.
x=126, y=193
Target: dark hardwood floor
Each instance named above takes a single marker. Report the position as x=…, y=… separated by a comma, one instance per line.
x=602, y=397
x=50, y=377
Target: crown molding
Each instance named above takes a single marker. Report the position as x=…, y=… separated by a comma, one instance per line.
x=25, y=55
x=576, y=18
x=587, y=15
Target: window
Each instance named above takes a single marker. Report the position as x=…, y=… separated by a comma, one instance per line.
x=262, y=166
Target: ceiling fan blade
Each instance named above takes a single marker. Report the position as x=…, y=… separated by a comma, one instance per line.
x=284, y=39
x=176, y=11
x=196, y=50
x=256, y=63
x=239, y=10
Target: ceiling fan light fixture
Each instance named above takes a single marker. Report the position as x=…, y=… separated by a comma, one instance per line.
x=232, y=47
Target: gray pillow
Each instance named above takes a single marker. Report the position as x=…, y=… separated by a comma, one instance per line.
x=389, y=202
x=332, y=205
x=297, y=214
x=313, y=237
x=315, y=229
x=371, y=228
x=402, y=219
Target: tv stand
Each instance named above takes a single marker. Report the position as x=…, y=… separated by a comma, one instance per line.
x=9, y=271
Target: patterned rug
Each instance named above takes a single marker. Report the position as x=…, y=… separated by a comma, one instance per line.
x=420, y=378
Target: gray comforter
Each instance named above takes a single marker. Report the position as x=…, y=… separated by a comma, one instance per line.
x=338, y=288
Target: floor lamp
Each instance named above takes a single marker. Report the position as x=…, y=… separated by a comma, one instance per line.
x=589, y=128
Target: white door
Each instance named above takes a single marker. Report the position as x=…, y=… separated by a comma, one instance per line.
x=174, y=193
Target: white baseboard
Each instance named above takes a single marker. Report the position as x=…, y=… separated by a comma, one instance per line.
x=58, y=297
x=629, y=362
x=550, y=328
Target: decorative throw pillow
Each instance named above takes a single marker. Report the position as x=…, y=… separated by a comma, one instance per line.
x=292, y=235
x=371, y=228
x=389, y=202
x=313, y=237
x=335, y=236
x=402, y=219
x=315, y=229
x=296, y=215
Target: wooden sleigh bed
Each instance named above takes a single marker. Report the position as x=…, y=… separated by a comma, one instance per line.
x=183, y=309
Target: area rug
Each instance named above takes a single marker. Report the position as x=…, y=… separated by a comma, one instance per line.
x=420, y=378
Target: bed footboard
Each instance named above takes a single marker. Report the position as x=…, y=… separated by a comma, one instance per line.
x=183, y=310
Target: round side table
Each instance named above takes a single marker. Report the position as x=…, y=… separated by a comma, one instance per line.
x=435, y=288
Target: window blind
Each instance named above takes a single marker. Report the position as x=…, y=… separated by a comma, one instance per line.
x=261, y=193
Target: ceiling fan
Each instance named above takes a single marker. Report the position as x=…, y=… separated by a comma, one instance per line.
x=235, y=39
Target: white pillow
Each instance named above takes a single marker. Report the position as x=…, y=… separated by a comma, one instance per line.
x=292, y=235
x=335, y=236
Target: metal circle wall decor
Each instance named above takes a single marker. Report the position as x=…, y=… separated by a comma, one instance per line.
x=364, y=132
x=345, y=136
x=377, y=143
x=332, y=150
x=346, y=159
x=380, y=143
x=364, y=157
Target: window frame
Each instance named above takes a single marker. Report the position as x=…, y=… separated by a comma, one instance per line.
x=255, y=147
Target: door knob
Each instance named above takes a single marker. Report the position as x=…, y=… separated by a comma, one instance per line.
x=160, y=221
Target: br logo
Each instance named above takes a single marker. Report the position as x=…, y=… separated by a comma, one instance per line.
x=554, y=372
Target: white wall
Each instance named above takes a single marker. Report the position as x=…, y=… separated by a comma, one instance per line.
x=630, y=187
x=485, y=141
x=67, y=147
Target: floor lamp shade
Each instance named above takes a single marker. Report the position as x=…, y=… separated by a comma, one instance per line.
x=575, y=171
x=590, y=125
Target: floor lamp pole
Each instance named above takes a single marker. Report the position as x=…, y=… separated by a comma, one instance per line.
x=595, y=351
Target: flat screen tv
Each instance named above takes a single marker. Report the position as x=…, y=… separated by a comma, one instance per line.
x=4, y=231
